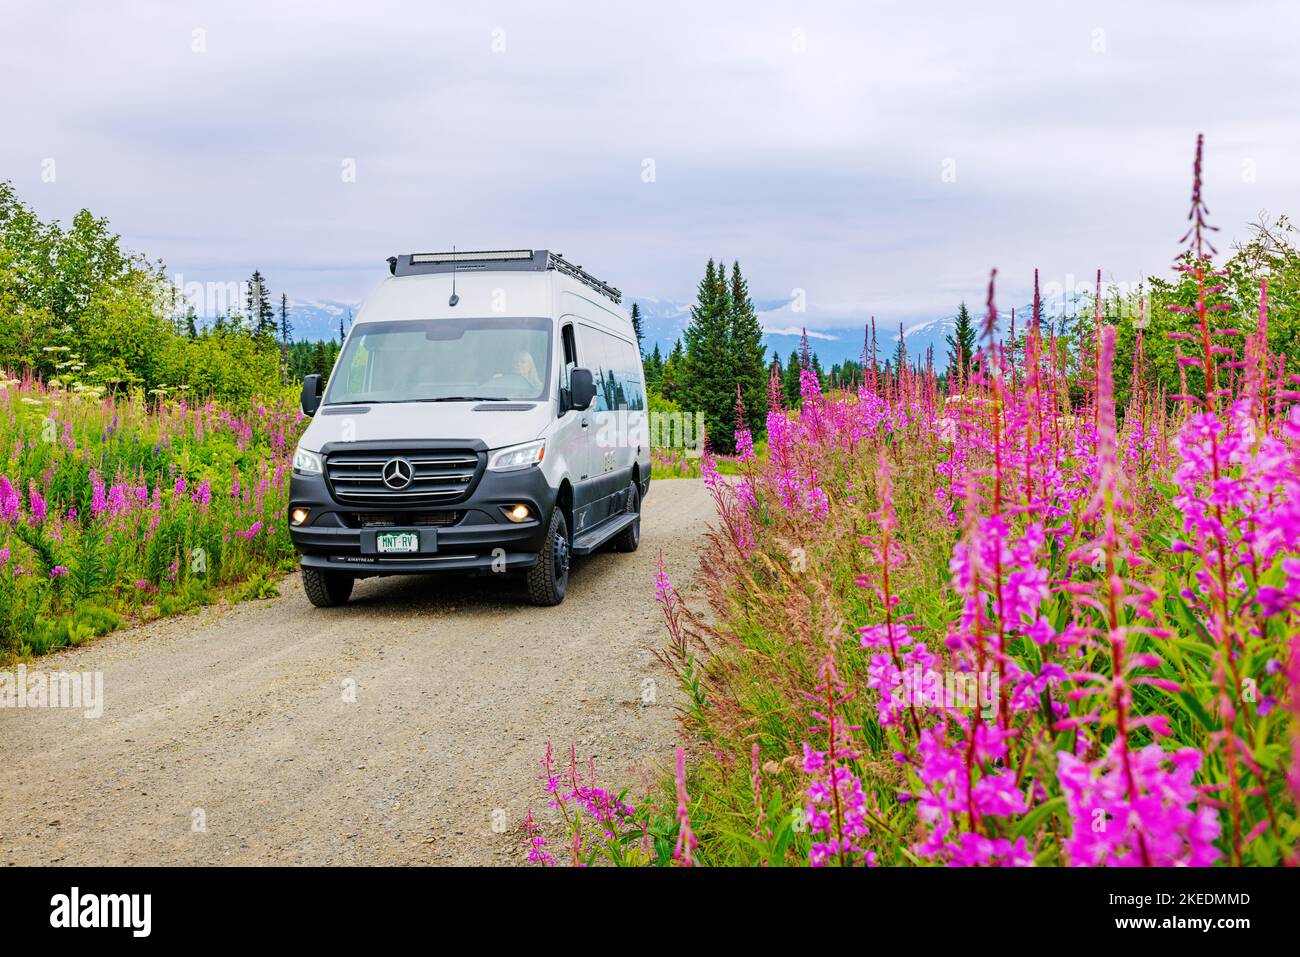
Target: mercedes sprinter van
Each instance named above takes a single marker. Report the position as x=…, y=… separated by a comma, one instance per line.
x=487, y=414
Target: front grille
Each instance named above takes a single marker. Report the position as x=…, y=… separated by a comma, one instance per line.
x=437, y=476
x=393, y=519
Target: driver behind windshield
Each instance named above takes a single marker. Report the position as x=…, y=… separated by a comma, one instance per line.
x=522, y=367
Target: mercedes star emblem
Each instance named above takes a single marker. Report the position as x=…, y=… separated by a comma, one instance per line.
x=398, y=473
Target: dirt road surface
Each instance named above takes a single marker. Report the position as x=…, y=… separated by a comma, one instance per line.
x=227, y=737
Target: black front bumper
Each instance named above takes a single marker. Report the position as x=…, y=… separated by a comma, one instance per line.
x=480, y=538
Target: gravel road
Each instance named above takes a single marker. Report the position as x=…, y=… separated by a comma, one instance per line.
x=227, y=737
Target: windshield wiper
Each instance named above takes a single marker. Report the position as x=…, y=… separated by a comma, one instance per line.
x=463, y=398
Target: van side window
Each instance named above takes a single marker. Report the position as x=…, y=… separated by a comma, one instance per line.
x=615, y=368
x=633, y=387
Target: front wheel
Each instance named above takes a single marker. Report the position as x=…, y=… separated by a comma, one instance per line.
x=628, y=539
x=548, y=579
x=326, y=589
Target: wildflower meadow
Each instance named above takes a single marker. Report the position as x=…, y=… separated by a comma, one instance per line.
x=1014, y=621
x=125, y=508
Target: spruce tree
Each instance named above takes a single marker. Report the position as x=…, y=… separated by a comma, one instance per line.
x=790, y=380
x=257, y=307
x=961, y=343
x=749, y=354
x=654, y=367
x=709, y=383
x=286, y=327
x=670, y=379
x=900, y=352
x=638, y=328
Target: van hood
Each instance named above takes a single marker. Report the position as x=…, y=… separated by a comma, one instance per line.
x=496, y=424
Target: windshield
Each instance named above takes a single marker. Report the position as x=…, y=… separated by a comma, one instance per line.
x=443, y=360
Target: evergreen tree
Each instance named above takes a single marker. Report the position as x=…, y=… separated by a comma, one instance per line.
x=258, y=309
x=654, y=368
x=637, y=327
x=790, y=380
x=191, y=322
x=709, y=384
x=961, y=342
x=320, y=360
x=670, y=379
x=286, y=327
x=900, y=352
x=749, y=354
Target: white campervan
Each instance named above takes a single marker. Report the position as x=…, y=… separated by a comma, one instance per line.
x=487, y=414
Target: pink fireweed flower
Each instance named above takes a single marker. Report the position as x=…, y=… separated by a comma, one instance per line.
x=10, y=502
x=836, y=812
x=36, y=503
x=684, y=852
x=1160, y=825
x=815, y=501
x=203, y=494
x=535, y=842
x=98, y=500
x=954, y=809
x=58, y=571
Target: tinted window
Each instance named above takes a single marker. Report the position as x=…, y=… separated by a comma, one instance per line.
x=615, y=368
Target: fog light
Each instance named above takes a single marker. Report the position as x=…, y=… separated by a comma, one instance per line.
x=519, y=513
x=298, y=516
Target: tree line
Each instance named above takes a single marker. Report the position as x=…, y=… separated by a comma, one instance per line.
x=719, y=366
x=78, y=309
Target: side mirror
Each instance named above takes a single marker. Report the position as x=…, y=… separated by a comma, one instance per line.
x=582, y=390
x=311, y=393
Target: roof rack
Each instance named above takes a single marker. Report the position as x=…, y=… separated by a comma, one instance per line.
x=497, y=260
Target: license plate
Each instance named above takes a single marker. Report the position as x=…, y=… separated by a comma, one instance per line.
x=397, y=542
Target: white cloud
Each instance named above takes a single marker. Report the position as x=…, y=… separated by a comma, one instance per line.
x=820, y=171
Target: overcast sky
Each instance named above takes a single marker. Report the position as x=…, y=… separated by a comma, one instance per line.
x=880, y=156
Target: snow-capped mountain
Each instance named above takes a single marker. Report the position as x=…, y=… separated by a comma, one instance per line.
x=314, y=319
x=664, y=321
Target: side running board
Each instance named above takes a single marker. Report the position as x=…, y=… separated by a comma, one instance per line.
x=593, y=538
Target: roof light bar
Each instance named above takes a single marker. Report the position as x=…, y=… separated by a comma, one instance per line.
x=538, y=260
x=486, y=255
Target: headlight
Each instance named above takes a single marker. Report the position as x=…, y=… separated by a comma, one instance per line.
x=517, y=456
x=308, y=463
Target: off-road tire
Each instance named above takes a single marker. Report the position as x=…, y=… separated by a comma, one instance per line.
x=628, y=539
x=326, y=589
x=549, y=577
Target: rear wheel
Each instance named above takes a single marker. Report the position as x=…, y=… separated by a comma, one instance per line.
x=326, y=589
x=548, y=579
x=628, y=539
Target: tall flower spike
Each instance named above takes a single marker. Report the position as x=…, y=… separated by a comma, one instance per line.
x=684, y=853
